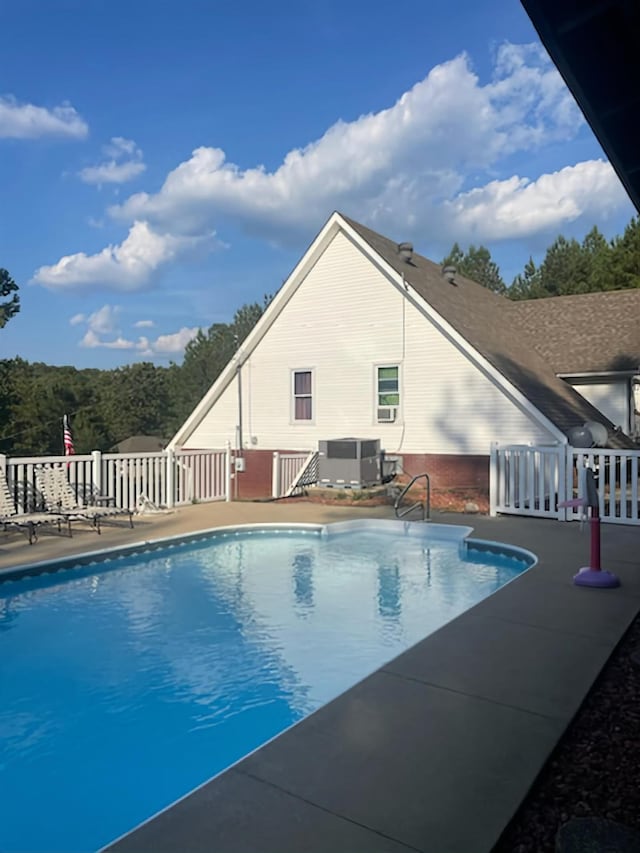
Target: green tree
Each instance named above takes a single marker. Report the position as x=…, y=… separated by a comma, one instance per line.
x=40, y=396
x=135, y=400
x=625, y=257
x=11, y=306
x=565, y=269
x=526, y=283
x=598, y=255
x=594, y=265
x=207, y=355
x=568, y=267
x=477, y=264
x=107, y=406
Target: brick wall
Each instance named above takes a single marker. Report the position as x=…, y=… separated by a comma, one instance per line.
x=449, y=471
x=445, y=472
x=256, y=480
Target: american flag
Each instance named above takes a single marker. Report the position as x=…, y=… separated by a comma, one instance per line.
x=67, y=437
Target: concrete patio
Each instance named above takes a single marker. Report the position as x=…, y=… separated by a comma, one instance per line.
x=434, y=751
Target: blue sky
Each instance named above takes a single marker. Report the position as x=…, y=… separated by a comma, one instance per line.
x=163, y=163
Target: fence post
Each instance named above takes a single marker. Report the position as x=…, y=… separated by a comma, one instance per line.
x=275, y=475
x=227, y=472
x=565, y=491
x=96, y=471
x=171, y=477
x=3, y=463
x=493, y=479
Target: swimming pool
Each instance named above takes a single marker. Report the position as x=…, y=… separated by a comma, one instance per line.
x=127, y=682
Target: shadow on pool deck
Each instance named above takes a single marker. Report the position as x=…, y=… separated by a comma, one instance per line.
x=436, y=750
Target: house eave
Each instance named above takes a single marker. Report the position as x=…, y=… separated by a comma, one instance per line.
x=599, y=374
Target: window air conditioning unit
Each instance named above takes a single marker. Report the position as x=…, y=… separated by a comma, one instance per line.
x=387, y=414
x=349, y=463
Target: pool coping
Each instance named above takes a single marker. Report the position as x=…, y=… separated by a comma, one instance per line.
x=446, y=532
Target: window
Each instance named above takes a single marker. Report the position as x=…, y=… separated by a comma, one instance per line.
x=387, y=393
x=302, y=395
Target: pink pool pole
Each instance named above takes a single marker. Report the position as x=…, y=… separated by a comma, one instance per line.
x=594, y=531
x=592, y=575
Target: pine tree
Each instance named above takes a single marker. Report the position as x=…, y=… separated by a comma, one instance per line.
x=625, y=257
x=477, y=264
x=10, y=308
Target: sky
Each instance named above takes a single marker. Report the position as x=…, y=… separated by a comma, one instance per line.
x=163, y=163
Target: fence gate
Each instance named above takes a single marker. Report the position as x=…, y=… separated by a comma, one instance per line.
x=529, y=480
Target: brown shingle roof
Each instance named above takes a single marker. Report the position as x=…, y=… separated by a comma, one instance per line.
x=584, y=333
x=486, y=322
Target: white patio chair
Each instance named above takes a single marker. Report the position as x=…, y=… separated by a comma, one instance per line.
x=28, y=522
x=60, y=497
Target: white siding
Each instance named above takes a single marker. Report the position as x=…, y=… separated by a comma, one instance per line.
x=612, y=398
x=345, y=318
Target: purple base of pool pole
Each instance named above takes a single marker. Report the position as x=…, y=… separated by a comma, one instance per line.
x=596, y=578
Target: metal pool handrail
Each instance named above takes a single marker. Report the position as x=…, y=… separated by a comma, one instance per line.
x=426, y=504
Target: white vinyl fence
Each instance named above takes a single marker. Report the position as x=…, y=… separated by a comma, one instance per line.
x=534, y=481
x=166, y=478
x=292, y=471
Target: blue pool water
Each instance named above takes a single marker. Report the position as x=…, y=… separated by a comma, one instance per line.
x=125, y=684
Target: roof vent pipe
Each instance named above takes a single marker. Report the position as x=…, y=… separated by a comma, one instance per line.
x=405, y=250
x=449, y=273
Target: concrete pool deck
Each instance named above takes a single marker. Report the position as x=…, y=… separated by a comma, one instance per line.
x=436, y=750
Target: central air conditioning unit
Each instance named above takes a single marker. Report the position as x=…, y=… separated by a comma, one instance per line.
x=349, y=463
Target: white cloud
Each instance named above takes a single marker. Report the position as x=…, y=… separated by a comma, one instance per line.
x=125, y=162
x=126, y=267
x=27, y=121
x=105, y=322
x=174, y=343
x=91, y=341
x=530, y=98
x=163, y=345
x=431, y=166
x=518, y=207
x=119, y=147
x=394, y=166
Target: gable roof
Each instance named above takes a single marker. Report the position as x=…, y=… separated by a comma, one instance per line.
x=479, y=318
x=486, y=321
x=586, y=332
x=140, y=444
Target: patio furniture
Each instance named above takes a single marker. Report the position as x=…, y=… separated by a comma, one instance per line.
x=60, y=497
x=28, y=522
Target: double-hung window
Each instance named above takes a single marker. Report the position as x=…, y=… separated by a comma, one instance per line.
x=302, y=395
x=387, y=392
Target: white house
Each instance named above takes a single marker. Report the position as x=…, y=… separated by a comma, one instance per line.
x=368, y=339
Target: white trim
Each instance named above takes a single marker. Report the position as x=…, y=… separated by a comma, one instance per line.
x=604, y=374
x=376, y=405
x=292, y=401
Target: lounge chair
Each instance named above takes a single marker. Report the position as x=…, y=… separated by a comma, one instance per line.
x=28, y=522
x=60, y=497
